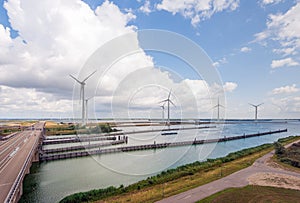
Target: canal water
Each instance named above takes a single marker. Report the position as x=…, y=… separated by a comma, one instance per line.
x=51, y=181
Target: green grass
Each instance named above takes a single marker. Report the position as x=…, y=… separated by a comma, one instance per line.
x=253, y=194
x=177, y=180
x=290, y=156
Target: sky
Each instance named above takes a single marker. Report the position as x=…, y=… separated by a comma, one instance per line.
x=249, y=48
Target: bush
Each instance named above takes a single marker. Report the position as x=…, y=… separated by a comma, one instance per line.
x=279, y=149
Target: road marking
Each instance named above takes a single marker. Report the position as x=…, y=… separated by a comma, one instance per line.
x=187, y=197
x=14, y=152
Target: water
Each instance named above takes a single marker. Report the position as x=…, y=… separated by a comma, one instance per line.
x=54, y=180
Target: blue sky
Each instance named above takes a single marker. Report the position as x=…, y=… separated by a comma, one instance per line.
x=254, y=45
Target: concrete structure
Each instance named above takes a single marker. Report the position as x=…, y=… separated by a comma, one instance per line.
x=16, y=156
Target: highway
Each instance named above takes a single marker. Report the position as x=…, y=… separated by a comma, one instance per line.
x=15, y=154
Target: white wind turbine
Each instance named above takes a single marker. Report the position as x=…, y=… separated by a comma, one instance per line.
x=256, y=107
x=82, y=84
x=218, y=106
x=168, y=100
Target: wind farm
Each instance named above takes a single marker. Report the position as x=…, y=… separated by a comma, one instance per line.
x=149, y=101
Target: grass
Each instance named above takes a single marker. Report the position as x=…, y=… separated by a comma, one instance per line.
x=290, y=156
x=293, y=153
x=253, y=193
x=178, y=180
x=53, y=128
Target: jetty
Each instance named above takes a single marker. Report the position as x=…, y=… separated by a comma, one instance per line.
x=120, y=133
x=49, y=157
x=83, y=147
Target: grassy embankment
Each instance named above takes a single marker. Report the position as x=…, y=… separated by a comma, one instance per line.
x=14, y=126
x=288, y=156
x=253, y=193
x=178, y=180
x=53, y=128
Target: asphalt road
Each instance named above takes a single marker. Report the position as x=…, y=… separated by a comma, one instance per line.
x=237, y=179
x=13, y=154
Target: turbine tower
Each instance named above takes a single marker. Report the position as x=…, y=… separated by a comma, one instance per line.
x=86, y=109
x=82, y=84
x=168, y=100
x=163, y=112
x=218, y=106
x=256, y=107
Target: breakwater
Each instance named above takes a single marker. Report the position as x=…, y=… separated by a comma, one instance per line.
x=49, y=157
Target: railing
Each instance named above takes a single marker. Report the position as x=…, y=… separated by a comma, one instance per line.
x=18, y=180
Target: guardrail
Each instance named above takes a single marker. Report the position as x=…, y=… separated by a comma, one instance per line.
x=18, y=180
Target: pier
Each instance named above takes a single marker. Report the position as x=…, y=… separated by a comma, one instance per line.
x=49, y=157
x=83, y=147
x=120, y=133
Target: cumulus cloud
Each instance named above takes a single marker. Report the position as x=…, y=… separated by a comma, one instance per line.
x=289, y=106
x=29, y=103
x=229, y=86
x=146, y=7
x=284, y=29
x=245, y=49
x=55, y=40
x=267, y=2
x=285, y=89
x=284, y=62
x=197, y=10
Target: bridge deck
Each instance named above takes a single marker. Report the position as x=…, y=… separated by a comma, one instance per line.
x=15, y=155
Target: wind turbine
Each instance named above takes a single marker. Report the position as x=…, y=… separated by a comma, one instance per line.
x=82, y=84
x=218, y=106
x=168, y=100
x=256, y=107
x=86, y=109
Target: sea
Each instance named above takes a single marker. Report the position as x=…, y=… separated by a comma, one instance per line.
x=51, y=181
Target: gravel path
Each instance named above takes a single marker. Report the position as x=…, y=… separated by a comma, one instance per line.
x=259, y=169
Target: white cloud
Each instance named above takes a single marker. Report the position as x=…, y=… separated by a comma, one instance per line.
x=229, y=86
x=197, y=10
x=146, y=7
x=283, y=28
x=58, y=40
x=220, y=62
x=286, y=51
x=245, y=49
x=288, y=106
x=285, y=90
x=284, y=62
x=27, y=102
x=267, y=2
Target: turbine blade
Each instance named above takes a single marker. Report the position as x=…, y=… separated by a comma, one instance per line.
x=89, y=76
x=172, y=103
x=252, y=105
x=163, y=101
x=169, y=93
x=260, y=104
x=75, y=79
